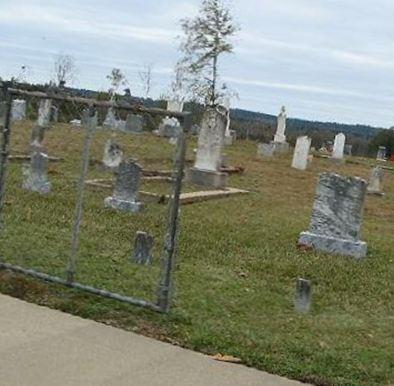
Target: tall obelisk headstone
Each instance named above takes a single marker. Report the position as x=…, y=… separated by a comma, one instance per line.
x=206, y=171
x=337, y=216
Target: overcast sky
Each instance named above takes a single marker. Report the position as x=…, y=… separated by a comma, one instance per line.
x=329, y=60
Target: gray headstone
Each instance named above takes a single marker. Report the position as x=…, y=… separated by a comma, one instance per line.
x=134, y=123
x=266, y=149
x=125, y=196
x=18, y=110
x=337, y=216
x=113, y=154
x=375, y=181
x=169, y=128
x=303, y=296
x=35, y=174
x=382, y=153
x=143, y=246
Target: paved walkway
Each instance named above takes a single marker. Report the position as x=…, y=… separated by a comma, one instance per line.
x=43, y=347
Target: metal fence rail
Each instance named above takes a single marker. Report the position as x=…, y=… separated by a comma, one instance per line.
x=166, y=279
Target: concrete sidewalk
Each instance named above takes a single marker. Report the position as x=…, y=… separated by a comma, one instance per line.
x=43, y=347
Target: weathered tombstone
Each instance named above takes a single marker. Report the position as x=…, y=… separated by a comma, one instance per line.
x=175, y=106
x=339, y=146
x=301, y=153
x=348, y=150
x=143, y=246
x=382, y=153
x=337, y=216
x=110, y=120
x=113, y=154
x=18, y=110
x=206, y=171
x=43, y=123
x=228, y=136
x=303, y=296
x=134, y=124
x=169, y=127
x=35, y=174
x=375, y=182
x=266, y=149
x=125, y=196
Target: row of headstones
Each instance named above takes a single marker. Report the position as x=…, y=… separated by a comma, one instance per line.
x=19, y=110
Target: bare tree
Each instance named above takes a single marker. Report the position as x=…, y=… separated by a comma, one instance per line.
x=146, y=79
x=64, y=69
x=207, y=36
x=117, y=80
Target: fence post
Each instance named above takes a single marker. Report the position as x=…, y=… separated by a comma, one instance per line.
x=168, y=262
x=90, y=123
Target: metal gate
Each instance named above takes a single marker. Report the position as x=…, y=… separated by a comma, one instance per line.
x=165, y=280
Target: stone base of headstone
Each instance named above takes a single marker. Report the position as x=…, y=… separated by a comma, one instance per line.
x=375, y=192
x=207, y=178
x=42, y=187
x=280, y=147
x=123, y=205
x=265, y=150
x=356, y=249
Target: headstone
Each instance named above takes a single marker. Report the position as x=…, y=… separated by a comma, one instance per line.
x=54, y=114
x=337, y=216
x=375, y=182
x=169, y=127
x=18, y=110
x=303, y=297
x=339, y=146
x=195, y=130
x=301, y=153
x=44, y=113
x=134, y=124
x=143, y=246
x=35, y=174
x=125, y=196
x=113, y=154
x=206, y=171
x=280, y=135
x=175, y=106
x=382, y=153
x=110, y=120
x=43, y=123
x=348, y=150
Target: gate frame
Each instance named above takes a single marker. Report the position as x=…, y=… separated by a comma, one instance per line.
x=166, y=279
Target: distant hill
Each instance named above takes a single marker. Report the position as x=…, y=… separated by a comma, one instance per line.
x=295, y=125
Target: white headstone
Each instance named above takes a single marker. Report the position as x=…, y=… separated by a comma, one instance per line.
x=113, y=154
x=176, y=106
x=339, y=146
x=301, y=153
x=281, y=129
x=211, y=141
x=375, y=181
x=44, y=113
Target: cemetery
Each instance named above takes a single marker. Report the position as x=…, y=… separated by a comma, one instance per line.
x=260, y=240
x=248, y=276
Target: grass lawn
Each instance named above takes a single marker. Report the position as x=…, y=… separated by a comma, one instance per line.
x=237, y=263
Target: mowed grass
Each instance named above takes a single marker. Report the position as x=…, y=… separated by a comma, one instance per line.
x=237, y=262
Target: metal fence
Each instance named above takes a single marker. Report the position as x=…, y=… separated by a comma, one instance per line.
x=89, y=122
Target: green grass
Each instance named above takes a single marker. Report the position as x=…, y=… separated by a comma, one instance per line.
x=237, y=263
